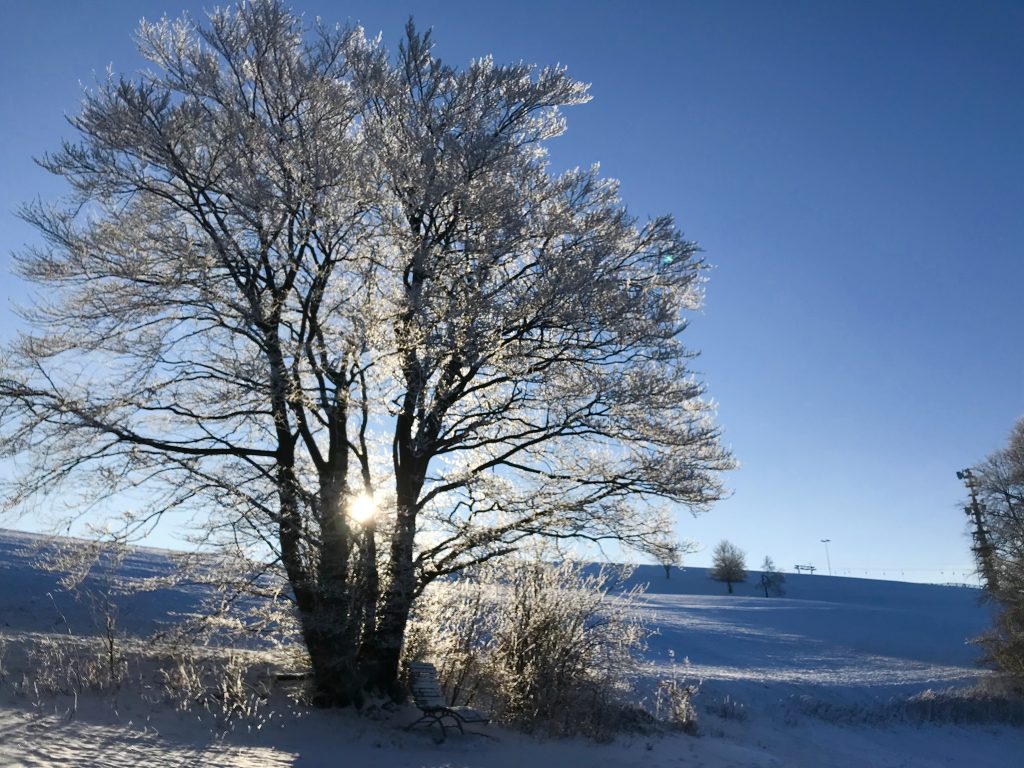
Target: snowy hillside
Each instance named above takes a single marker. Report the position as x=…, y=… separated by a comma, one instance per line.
x=831, y=639
x=31, y=599
x=802, y=680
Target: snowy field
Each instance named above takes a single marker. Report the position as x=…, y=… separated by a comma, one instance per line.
x=817, y=678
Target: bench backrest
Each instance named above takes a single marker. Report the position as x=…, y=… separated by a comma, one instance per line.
x=425, y=689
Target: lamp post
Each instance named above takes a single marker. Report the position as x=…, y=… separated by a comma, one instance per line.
x=827, y=558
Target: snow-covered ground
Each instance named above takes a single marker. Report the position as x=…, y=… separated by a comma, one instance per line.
x=828, y=638
x=811, y=679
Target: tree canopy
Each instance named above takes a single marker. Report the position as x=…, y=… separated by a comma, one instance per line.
x=296, y=275
x=999, y=547
x=728, y=564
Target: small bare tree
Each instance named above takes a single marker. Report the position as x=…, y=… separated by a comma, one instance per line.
x=670, y=555
x=91, y=571
x=728, y=564
x=772, y=579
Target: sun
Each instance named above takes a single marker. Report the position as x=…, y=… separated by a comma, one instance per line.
x=362, y=508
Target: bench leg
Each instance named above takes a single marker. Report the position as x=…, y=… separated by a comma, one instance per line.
x=413, y=725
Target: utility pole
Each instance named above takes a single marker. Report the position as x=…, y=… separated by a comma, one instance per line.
x=982, y=547
x=827, y=558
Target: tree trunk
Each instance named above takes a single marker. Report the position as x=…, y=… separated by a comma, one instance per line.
x=334, y=631
x=382, y=653
x=381, y=656
x=337, y=681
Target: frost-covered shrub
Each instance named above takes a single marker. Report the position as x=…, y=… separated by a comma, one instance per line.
x=727, y=708
x=541, y=645
x=181, y=680
x=674, y=697
x=226, y=687
x=563, y=650
x=66, y=665
x=674, y=704
x=993, y=700
x=982, y=703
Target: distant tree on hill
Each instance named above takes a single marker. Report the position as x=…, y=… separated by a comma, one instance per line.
x=671, y=554
x=997, y=506
x=772, y=579
x=728, y=564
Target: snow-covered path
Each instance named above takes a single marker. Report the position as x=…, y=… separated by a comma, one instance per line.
x=332, y=739
x=32, y=740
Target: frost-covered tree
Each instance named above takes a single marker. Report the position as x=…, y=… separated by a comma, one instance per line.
x=728, y=564
x=999, y=483
x=331, y=304
x=670, y=554
x=772, y=579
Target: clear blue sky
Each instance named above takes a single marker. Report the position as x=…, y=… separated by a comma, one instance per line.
x=854, y=170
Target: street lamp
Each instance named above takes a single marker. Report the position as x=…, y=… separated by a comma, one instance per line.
x=827, y=558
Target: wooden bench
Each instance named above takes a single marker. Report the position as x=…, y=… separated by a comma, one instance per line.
x=426, y=693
